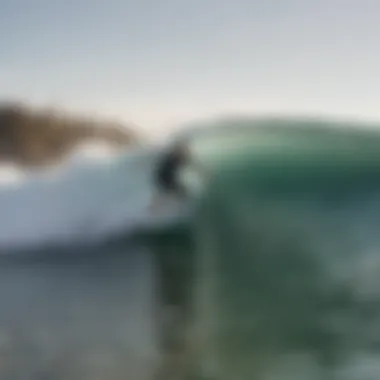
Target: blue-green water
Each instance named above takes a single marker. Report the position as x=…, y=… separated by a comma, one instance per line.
x=281, y=261
x=275, y=275
x=287, y=257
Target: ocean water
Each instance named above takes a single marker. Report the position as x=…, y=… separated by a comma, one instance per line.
x=77, y=303
x=91, y=286
x=273, y=275
x=287, y=257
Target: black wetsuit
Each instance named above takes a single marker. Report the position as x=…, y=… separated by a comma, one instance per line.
x=166, y=176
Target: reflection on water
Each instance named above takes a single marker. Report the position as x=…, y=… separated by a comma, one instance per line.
x=77, y=317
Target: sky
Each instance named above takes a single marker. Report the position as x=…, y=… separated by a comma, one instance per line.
x=159, y=63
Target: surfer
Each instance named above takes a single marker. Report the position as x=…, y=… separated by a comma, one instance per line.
x=166, y=176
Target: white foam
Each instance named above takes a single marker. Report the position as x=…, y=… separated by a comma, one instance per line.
x=77, y=201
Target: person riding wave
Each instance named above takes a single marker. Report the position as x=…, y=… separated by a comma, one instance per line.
x=166, y=175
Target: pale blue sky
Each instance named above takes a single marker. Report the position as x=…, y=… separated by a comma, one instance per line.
x=161, y=62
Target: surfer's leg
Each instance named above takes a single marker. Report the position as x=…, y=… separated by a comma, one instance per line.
x=168, y=189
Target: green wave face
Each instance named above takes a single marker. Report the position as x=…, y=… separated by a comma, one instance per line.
x=287, y=253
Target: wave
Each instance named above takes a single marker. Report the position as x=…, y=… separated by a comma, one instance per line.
x=77, y=202
x=87, y=201
x=285, y=255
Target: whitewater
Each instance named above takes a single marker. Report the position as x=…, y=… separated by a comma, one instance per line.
x=80, y=201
